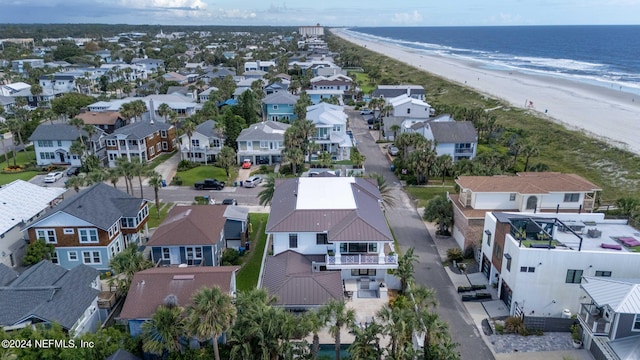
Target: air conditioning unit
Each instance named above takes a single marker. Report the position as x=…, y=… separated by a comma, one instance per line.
x=315, y=267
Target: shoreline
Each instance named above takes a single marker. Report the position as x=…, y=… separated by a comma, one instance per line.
x=606, y=114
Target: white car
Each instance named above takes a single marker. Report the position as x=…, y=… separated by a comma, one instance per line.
x=252, y=181
x=53, y=177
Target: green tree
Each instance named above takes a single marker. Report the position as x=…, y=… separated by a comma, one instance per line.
x=324, y=159
x=139, y=170
x=266, y=194
x=210, y=314
x=162, y=335
x=126, y=169
x=405, y=269
x=74, y=182
x=127, y=263
x=394, y=128
x=249, y=107
x=226, y=159
x=37, y=251
x=421, y=160
x=69, y=104
x=339, y=317
x=357, y=158
x=295, y=156
x=77, y=148
x=314, y=321
x=388, y=199
x=189, y=127
x=79, y=124
x=155, y=181
x=300, y=107
x=628, y=206
x=366, y=343
x=440, y=211
x=164, y=110
x=529, y=150
x=444, y=165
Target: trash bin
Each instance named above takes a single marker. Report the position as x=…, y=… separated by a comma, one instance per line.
x=241, y=251
x=235, y=183
x=392, y=167
x=247, y=245
x=206, y=199
x=164, y=183
x=240, y=183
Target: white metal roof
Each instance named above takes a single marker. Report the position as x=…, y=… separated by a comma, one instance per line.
x=333, y=193
x=21, y=200
x=622, y=295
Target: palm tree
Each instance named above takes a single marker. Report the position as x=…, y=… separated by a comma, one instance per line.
x=128, y=262
x=164, y=110
x=444, y=164
x=226, y=159
x=126, y=169
x=77, y=148
x=162, y=334
x=325, y=159
x=189, y=127
x=357, y=158
x=266, y=194
x=90, y=130
x=339, y=316
x=15, y=126
x=113, y=174
x=79, y=124
x=74, y=182
x=405, y=269
x=385, y=191
x=295, y=156
x=528, y=151
x=421, y=160
x=210, y=315
x=173, y=119
x=366, y=344
x=127, y=111
x=314, y=321
x=139, y=169
x=394, y=128
x=155, y=181
x=398, y=323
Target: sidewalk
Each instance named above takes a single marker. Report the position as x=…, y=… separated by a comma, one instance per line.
x=478, y=313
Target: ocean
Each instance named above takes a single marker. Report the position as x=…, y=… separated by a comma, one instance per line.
x=607, y=56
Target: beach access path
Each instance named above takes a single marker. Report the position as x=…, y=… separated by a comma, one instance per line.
x=604, y=113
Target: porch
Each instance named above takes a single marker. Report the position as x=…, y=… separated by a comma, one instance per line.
x=592, y=318
x=344, y=257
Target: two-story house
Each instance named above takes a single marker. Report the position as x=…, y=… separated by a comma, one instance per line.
x=538, y=260
x=259, y=65
x=141, y=141
x=391, y=91
x=262, y=143
x=48, y=294
x=278, y=106
x=458, y=139
x=333, y=82
x=525, y=192
x=92, y=227
x=149, y=288
x=205, y=145
x=107, y=121
x=52, y=144
x=337, y=223
x=403, y=108
x=190, y=235
x=331, y=130
x=22, y=204
x=610, y=316
x=58, y=83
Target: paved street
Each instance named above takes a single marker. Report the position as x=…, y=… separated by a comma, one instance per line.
x=410, y=231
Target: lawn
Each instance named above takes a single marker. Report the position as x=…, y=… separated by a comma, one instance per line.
x=154, y=221
x=22, y=158
x=426, y=193
x=200, y=173
x=247, y=278
x=24, y=175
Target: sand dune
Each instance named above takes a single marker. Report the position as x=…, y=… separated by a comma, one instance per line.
x=607, y=114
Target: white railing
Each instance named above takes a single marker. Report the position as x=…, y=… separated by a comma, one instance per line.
x=361, y=260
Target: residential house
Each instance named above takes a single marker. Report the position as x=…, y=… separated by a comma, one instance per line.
x=40, y=100
x=333, y=82
x=46, y=294
x=204, y=95
x=331, y=130
x=275, y=87
x=537, y=261
x=184, y=106
x=52, y=144
x=141, y=141
x=92, y=227
x=404, y=108
x=610, y=317
x=190, y=235
x=318, y=95
x=391, y=91
x=7, y=103
x=458, y=139
x=22, y=204
x=262, y=143
x=236, y=227
x=10, y=89
x=218, y=73
x=58, y=83
x=279, y=106
x=149, y=289
x=206, y=143
x=184, y=91
x=259, y=65
x=174, y=76
x=21, y=66
x=525, y=192
x=338, y=224
x=107, y=121
x=150, y=65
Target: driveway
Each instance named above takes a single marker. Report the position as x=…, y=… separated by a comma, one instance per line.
x=410, y=231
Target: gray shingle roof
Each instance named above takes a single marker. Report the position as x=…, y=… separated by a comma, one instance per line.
x=207, y=129
x=7, y=274
x=448, y=132
x=59, y=132
x=140, y=129
x=290, y=278
x=121, y=354
x=268, y=130
x=49, y=292
x=101, y=205
x=280, y=97
x=389, y=91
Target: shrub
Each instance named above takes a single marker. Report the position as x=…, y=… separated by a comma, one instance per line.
x=185, y=165
x=454, y=254
x=515, y=325
x=176, y=181
x=264, y=169
x=499, y=328
x=230, y=257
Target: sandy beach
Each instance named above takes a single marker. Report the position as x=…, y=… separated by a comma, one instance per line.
x=607, y=114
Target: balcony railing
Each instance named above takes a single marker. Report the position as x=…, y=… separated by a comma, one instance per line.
x=463, y=151
x=362, y=259
x=465, y=198
x=591, y=317
x=588, y=203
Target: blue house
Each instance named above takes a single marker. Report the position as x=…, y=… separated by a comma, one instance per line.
x=92, y=227
x=190, y=235
x=279, y=106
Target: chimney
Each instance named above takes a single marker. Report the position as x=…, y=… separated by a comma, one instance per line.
x=408, y=91
x=152, y=111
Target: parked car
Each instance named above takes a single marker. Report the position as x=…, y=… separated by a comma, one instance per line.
x=209, y=184
x=393, y=151
x=53, y=177
x=246, y=164
x=366, y=111
x=229, y=202
x=73, y=171
x=252, y=181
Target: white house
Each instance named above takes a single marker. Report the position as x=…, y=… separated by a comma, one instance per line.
x=52, y=144
x=262, y=143
x=458, y=139
x=331, y=130
x=205, y=144
x=537, y=260
x=526, y=192
x=405, y=108
x=259, y=65
x=22, y=203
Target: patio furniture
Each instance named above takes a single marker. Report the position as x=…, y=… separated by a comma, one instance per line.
x=611, y=246
x=594, y=233
x=629, y=241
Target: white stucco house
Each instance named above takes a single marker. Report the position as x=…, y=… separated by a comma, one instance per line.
x=331, y=130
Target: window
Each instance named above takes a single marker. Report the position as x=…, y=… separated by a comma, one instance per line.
x=321, y=239
x=275, y=107
x=508, y=257
x=488, y=232
x=69, y=231
x=531, y=269
x=163, y=133
x=59, y=143
x=165, y=146
x=574, y=276
x=214, y=143
x=166, y=254
x=293, y=241
x=158, y=147
x=194, y=252
x=603, y=273
x=571, y=197
x=636, y=323
x=512, y=197
x=264, y=144
x=195, y=142
x=373, y=247
x=363, y=272
x=88, y=235
x=73, y=255
x=45, y=143
x=91, y=257
x=128, y=223
x=111, y=142
x=54, y=257
x=47, y=156
x=532, y=203
x=408, y=111
x=152, y=151
x=523, y=269
x=497, y=251
x=48, y=235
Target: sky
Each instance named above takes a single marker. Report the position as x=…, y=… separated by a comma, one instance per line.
x=325, y=12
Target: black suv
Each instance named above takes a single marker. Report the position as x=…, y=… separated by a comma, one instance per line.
x=73, y=171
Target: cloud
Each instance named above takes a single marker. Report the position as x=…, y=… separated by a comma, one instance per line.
x=413, y=17
x=165, y=4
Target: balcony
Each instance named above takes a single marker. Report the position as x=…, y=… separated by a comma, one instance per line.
x=345, y=261
x=591, y=317
x=465, y=198
x=589, y=202
x=463, y=151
